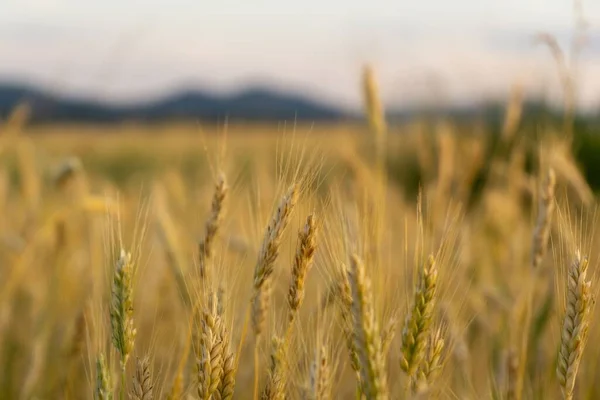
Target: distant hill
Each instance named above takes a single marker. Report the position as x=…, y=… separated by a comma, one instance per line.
x=253, y=104
x=257, y=104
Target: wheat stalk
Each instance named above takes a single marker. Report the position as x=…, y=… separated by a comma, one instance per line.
x=212, y=225
x=418, y=321
x=575, y=325
x=168, y=235
x=367, y=341
x=373, y=106
x=512, y=391
x=78, y=339
x=264, y=269
x=543, y=225
x=344, y=292
x=177, y=385
x=76, y=348
x=514, y=111
x=31, y=185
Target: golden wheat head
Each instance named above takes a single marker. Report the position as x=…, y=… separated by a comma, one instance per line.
x=142, y=381
x=418, y=321
x=575, y=325
x=267, y=255
x=307, y=243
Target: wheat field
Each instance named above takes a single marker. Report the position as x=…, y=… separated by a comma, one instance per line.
x=430, y=259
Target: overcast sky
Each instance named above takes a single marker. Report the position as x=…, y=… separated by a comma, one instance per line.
x=459, y=50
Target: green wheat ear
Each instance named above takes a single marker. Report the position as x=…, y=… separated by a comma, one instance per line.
x=103, y=381
x=121, y=310
x=418, y=321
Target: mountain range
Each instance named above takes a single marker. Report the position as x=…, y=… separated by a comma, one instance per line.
x=255, y=104
x=251, y=104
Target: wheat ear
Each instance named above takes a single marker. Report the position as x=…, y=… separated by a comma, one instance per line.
x=227, y=381
x=575, y=325
x=209, y=354
x=142, y=381
x=344, y=292
x=417, y=324
x=212, y=225
x=307, y=243
x=103, y=380
x=320, y=376
x=275, y=389
x=432, y=364
x=367, y=341
x=388, y=335
x=121, y=310
x=543, y=225
x=267, y=255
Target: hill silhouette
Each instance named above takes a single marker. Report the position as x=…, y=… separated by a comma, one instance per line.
x=251, y=104
x=255, y=104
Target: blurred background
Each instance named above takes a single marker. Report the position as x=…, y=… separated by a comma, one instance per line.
x=273, y=60
x=187, y=69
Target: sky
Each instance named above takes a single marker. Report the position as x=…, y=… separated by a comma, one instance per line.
x=423, y=51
